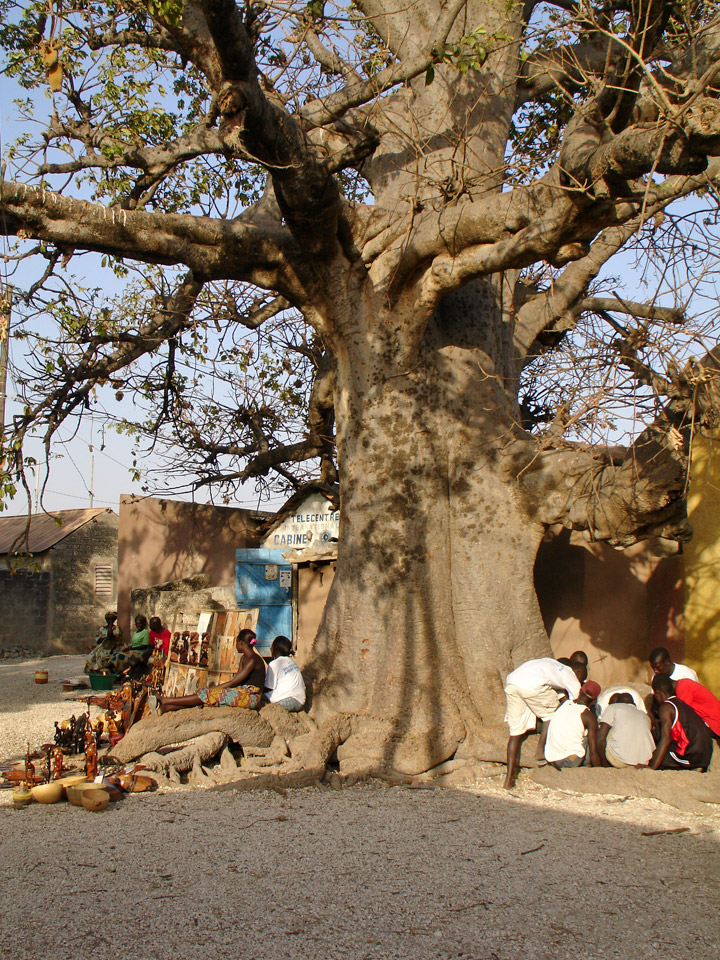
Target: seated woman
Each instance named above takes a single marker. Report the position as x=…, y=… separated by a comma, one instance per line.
x=243, y=690
x=107, y=642
x=137, y=653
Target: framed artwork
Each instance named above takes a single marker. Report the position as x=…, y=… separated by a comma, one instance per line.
x=202, y=649
x=170, y=685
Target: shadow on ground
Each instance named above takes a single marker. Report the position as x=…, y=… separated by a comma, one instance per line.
x=368, y=873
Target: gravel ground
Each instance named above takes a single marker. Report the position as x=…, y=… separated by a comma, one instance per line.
x=362, y=873
x=28, y=710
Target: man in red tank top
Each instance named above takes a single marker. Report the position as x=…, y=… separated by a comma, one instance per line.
x=685, y=742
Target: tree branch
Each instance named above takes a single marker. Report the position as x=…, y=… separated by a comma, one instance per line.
x=556, y=311
x=623, y=499
x=169, y=320
x=331, y=108
x=212, y=249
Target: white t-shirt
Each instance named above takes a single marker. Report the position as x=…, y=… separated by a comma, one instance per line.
x=681, y=672
x=283, y=679
x=545, y=672
x=608, y=693
x=629, y=738
x=566, y=732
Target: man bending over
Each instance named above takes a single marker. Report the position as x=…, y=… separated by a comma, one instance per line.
x=531, y=693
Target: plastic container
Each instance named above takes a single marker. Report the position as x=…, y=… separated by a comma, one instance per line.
x=103, y=681
x=41, y=676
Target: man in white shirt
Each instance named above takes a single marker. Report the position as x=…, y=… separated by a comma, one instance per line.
x=661, y=663
x=284, y=684
x=625, y=733
x=572, y=731
x=531, y=694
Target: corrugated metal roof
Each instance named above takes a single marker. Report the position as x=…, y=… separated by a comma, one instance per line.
x=44, y=532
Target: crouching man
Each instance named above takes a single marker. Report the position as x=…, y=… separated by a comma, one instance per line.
x=625, y=733
x=685, y=741
x=572, y=737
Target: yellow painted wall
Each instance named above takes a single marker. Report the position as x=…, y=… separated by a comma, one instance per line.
x=702, y=563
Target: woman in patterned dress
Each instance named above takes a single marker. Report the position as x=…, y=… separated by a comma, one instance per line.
x=243, y=690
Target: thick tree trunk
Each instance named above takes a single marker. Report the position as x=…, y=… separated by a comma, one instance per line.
x=433, y=602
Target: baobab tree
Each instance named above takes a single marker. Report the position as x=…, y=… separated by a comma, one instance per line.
x=436, y=187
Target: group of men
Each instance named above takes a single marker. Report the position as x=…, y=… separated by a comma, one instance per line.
x=581, y=725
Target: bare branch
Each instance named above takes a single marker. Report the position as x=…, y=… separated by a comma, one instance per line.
x=210, y=248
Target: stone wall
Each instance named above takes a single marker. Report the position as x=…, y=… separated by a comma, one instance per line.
x=178, y=603
x=48, y=603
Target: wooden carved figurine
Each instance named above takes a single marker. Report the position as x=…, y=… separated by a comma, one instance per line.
x=112, y=724
x=204, y=650
x=91, y=758
x=57, y=758
x=29, y=770
x=184, y=648
x=175, y=648
x=193, y=657
x=127, y=703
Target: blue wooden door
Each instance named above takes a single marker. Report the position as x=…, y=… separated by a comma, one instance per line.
x=263, y=579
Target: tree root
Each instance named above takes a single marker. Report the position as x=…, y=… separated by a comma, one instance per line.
x=188, y=758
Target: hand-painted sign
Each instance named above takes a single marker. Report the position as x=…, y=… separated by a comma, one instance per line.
x=316, y=523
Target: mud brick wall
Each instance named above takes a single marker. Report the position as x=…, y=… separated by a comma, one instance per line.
x=25, y=601
x=77, y=612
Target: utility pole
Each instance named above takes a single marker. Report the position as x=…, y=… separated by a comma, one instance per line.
x=92, y=460
x=5, y=304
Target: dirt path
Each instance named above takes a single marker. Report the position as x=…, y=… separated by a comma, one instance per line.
x=364, y=873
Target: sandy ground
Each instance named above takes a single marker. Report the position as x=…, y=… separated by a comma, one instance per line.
x=364, y=873
x=28, y=710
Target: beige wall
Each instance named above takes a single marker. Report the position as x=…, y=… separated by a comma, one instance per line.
x=314, y=582
x=162, y=540
x=616, y=605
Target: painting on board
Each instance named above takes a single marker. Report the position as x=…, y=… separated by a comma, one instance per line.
x=205, y=656
x=170, y=685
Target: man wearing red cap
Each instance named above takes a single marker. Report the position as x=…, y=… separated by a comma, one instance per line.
x=573, y=729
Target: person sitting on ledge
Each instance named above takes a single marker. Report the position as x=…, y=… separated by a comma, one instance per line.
x=703, y=701
x=159, y=637
x=243, y=690
x=107, y=642
x=685, y=742
x=625, y=733
x=284, y=684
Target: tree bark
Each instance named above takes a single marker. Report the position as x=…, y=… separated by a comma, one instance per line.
x=433, y=602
